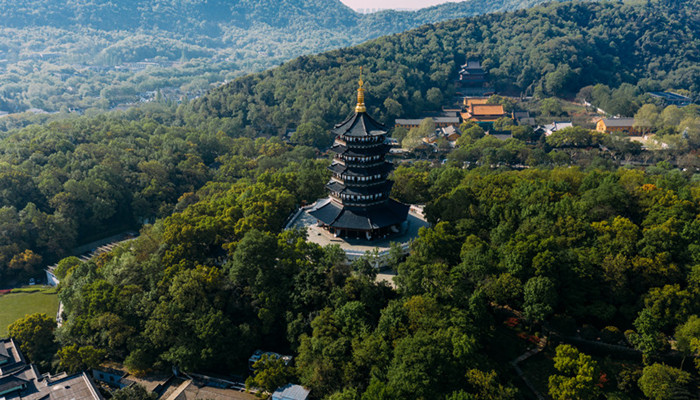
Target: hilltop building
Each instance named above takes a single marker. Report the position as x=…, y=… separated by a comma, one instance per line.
x=359, y=203
x=450, y=134
x=553, y=127
x=471, y=101
x=523, y=118
x=473, y=80
x=472, y=74
x=440, y=122
x=624, y=125
x=483, y=113
x=670, y=98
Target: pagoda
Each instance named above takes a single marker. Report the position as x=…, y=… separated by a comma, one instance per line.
x=359, y=205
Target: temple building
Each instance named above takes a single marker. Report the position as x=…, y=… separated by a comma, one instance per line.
x=359, y=205
x=472, y=74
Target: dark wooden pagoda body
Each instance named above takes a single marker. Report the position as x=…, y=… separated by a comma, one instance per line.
x=359, y=204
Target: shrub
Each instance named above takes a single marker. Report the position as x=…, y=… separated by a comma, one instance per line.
x=611, y=334
x=564, y=324
x=589, y=332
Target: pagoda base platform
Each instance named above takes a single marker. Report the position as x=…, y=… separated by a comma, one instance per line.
x=355, y=248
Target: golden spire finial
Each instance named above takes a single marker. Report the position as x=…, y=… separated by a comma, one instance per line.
x=360, y=96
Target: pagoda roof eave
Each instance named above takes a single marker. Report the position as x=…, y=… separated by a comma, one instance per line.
x=359, y=124
x=335, y=215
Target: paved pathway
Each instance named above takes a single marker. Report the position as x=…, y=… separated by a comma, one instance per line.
x=540, y=346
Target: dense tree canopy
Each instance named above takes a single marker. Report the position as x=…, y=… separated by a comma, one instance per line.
x=552, y=50
x=214, y=275
x=60, y=55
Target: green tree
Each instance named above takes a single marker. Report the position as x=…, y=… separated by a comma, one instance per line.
x=74, y=358
x=65, y=266
x=649, y=338
x=507, y=103
x=486, y=387
x=269, y=374
x=134, y=392
x=540, y=298
x=688, y=339
x=399, y=133
x=415, y=136
x=434, y=97
x=574, y=136
x=579, y=375
x=550, y=107
x=25, y=264
x=524, y=133
x=35, y=335
x=662, y=382
x=503, y=124
x=474, y=132
x=647, y=118
x=310, y=134
x=393, y=108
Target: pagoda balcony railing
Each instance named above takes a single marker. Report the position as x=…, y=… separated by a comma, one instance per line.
x=347, y=180
x=358, y=203
x=359, y=164
x=364, y=145
x=363, y=162
x=364, y=184
x=360, y=185
x=374, y=140
x=359, y=144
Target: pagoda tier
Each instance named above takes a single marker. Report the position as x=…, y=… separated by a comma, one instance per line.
x=345, y=151
x=359, y=191
x=351, y=174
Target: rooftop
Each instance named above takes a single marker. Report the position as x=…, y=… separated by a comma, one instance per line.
x=19, y=380
x=619, y=121
x=359, y=124
x=369, y=218
x=191, y=390
x=355, y=248
x=555, y=126
x=290, y=392
x=487, y=109
x=437, y=120
x=670, y=96
x=472, y=64
x=470, y=101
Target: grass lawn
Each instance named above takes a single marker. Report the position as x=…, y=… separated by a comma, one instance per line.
x=30, y=300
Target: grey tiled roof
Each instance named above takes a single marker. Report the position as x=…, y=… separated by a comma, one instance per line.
x=26, y=383
x=375, y=217
x=359, y=124
x=619, y=122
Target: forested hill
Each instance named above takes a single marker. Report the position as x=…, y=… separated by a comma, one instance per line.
x=76, y=54
x=214, y=16
x=198, y=17
x=551, y=50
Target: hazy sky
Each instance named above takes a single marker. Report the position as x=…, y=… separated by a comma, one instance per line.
x=355, y=4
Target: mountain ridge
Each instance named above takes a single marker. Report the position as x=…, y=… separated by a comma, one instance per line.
x=551, y=50
x=205, y=15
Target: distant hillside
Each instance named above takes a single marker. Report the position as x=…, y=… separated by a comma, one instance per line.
x=211, y=17
x=77, y=55
x=198, y=16
x=550, y=50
